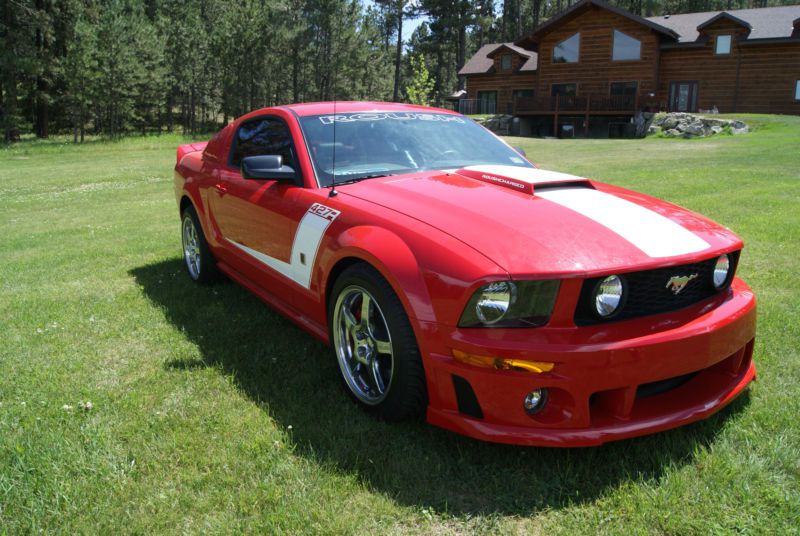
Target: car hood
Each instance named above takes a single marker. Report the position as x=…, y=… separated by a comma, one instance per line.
x=536, y=222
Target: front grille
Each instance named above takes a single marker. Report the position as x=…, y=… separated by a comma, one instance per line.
x=647, y=293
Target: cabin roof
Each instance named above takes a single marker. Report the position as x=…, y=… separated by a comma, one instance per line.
x=765, y=22
x=481, y=62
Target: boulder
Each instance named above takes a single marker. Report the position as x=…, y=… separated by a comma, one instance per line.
x=684, y=125
x=659, y=119
x=499, y=124
x=670, y=122
x=695, y=129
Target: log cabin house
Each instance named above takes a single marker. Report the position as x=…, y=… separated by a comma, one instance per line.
x=589, y=70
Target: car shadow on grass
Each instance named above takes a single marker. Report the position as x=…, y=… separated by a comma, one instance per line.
x=294, y=378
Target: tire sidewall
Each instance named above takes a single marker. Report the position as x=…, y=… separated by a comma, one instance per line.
x=406, y=355
x=208, y=265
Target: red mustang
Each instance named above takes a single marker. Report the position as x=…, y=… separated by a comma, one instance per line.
x=452, y=276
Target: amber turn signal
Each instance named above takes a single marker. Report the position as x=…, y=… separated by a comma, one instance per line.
x=500, y=363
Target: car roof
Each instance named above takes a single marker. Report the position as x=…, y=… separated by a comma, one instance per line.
x=321, y=108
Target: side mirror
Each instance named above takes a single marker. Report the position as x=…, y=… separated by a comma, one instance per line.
x=521, y=151
x=267, y=167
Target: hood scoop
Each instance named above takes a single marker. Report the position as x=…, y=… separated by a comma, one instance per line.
x=523, y=179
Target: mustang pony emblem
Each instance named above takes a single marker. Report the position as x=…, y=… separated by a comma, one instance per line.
x=677, y=283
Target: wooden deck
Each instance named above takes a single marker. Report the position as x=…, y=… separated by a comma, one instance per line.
x=577, y=105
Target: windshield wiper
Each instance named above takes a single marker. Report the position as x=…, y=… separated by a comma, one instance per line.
x=364, y=177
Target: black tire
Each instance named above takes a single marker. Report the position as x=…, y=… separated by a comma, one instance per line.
x=405, y=395
x=204, y=270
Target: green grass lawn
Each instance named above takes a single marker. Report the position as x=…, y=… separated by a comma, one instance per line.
x=211, y=413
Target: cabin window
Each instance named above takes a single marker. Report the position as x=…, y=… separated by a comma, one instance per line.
x=487, y=102
x=797, y=90
x=564, y=90
x=522, y=93
x=723, y=45
x=505, y=62
x=568, y=50
x=626, y=47
x=624, y=89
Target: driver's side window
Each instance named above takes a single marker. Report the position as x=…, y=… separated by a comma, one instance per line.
x=263, y=136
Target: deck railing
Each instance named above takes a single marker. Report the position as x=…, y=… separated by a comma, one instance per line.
x=576, y=103
x=476, y=106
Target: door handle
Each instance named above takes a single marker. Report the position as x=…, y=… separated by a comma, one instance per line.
x=221, y=188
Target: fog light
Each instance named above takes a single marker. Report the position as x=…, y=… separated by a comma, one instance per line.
x=608, y=296
x=535, y=401
x=721, y=270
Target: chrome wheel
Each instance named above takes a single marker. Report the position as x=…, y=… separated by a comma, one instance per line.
x=363, y=345
x=191, y=247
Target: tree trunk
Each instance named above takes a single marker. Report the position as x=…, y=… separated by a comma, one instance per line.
x=10, y=83
x=41, y=123
x=192, y=111
x=537, y=10
x=399, y=52
x=461, y=52
x=170, y=103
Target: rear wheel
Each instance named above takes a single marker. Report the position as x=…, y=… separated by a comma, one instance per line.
x=200, y=263
x=375, y=345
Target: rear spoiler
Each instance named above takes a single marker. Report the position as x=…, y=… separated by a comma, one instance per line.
x=183, y=150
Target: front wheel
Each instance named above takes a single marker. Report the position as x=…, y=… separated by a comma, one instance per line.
x=375, y=345
x=200, y=262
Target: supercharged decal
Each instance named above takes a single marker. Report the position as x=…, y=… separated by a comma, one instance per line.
x=382, y=116
x=501, y=180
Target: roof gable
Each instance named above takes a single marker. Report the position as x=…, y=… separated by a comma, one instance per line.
x=510, y=47
x=482, y=62
x=578, y=8
x=724, y=15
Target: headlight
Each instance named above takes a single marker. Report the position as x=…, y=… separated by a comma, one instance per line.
x=721, y=271
x=494, y=301
x=511, y=304
x=608, y=296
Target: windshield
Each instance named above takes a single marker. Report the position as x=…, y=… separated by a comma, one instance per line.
x=376, y=144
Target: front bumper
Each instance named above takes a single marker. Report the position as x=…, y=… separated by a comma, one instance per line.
x=594, y=389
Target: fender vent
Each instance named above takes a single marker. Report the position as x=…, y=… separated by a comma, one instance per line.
x=465, y=396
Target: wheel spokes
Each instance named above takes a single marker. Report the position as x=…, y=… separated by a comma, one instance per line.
x=366, y=301
x=383, y=347
x=377, y=379
x=350, y=321
x=363, y=344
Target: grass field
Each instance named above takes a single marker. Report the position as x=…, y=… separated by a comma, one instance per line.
x=211, y=413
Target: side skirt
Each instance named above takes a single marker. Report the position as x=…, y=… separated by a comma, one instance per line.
x=282, y=307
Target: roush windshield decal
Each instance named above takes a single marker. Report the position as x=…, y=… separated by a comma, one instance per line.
x=391, y=116
x=649, y=231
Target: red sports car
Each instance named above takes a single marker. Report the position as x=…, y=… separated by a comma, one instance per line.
x=451, y=276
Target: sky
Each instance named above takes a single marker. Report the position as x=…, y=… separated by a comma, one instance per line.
x=409, y=25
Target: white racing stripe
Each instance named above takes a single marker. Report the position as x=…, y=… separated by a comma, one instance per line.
x=306, y=243
x=652, y=233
